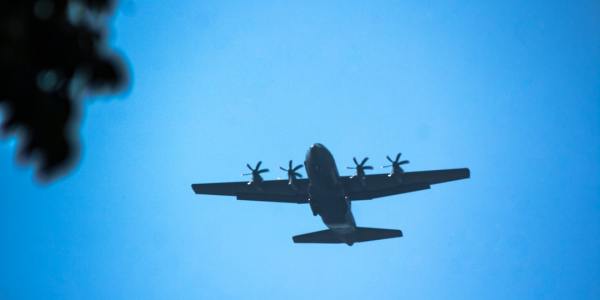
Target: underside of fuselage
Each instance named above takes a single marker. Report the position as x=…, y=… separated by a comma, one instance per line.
x=327, y=196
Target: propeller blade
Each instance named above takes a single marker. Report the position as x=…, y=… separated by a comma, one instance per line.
x=298, y=174
x=389, y=159
x=398, y=156
x=386, y=166
x=290, y=165
x=355, y=161
x=263, y=171
x=249, y=167
x=283, y=169
x=368, y=167
x=298, y=167
x=246, y=174
x=403, y=162
x=258, y=165
x=351, y=168
x=364, y=161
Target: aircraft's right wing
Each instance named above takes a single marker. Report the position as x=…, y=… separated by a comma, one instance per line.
x=268, y=190
x=381, y=185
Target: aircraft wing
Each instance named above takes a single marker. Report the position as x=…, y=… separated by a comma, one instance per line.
x=381, y=185
x=268, y=190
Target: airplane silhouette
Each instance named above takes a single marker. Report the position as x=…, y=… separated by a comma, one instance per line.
x=330, y=195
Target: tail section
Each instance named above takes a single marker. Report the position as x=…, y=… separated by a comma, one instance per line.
x=361, y=234
x=321, y=237
x=364, y=234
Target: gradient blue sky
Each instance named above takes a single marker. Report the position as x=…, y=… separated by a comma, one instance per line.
x=510, y=89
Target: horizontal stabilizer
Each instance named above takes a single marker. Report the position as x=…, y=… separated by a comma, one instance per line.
x=364, y=234
x=361, y=234
x=323, y=236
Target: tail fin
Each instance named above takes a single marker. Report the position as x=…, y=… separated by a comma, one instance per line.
x=361, y=234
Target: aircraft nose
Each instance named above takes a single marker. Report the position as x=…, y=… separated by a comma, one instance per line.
x=314, y=150
x=316, y=146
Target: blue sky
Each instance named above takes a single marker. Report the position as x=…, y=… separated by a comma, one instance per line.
x=510, y=89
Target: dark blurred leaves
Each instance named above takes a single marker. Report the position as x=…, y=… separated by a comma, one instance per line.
x=52, y=53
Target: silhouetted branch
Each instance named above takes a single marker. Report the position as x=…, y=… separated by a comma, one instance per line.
x=52, y=52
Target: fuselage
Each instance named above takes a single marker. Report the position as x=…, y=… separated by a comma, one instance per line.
x=327, y=197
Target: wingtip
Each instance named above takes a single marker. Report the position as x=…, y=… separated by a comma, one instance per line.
x=195, y=188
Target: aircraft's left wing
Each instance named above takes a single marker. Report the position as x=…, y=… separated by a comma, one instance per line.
x=268, y=190
x=381, y=185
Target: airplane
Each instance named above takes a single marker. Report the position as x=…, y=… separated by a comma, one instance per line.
x=330, y=195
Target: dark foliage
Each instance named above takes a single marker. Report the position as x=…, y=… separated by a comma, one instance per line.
x=52, y=53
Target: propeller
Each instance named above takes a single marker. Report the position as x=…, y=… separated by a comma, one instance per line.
x=360, y=167
x=256, y=171
x=396, y=169
x=292, y=171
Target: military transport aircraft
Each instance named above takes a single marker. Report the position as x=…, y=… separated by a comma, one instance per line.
x=330, y=195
